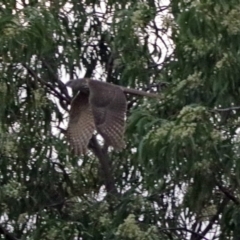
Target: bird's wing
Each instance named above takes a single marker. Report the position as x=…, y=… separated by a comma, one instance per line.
x=108, y=103
x=81, y=124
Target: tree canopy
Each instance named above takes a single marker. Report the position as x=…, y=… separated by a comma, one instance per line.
x=179, y=175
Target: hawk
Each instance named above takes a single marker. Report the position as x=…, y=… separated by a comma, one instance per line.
x=98, y=106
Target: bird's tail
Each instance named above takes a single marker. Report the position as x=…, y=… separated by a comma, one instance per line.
x=139, y=92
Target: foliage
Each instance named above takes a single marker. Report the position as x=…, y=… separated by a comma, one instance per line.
x=178, y=177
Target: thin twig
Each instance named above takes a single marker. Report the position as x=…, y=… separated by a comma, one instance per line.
x=185, y=230
x=226, y=109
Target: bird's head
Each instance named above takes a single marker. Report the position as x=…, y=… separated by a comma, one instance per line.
x=79, y=84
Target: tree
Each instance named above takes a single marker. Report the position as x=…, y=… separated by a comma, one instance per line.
x=178, y=177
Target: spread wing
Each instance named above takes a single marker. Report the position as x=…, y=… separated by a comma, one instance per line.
x=108, y=104
x=81, y=124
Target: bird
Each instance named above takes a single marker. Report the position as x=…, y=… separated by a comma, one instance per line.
x=98, y=106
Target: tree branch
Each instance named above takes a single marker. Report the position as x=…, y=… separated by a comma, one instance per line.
x=61, y=85
x=102, y=155
x=226, y=109
x=214, y=218
x=6, y=234
x=59, y=95
x=228, y=194
x=185, y=230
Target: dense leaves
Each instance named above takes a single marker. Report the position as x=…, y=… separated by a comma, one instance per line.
x=178, y=177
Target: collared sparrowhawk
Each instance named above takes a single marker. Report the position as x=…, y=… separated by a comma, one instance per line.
x=98, y=106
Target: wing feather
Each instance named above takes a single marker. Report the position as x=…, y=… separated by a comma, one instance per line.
x=108, y=103
x=81, y=124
